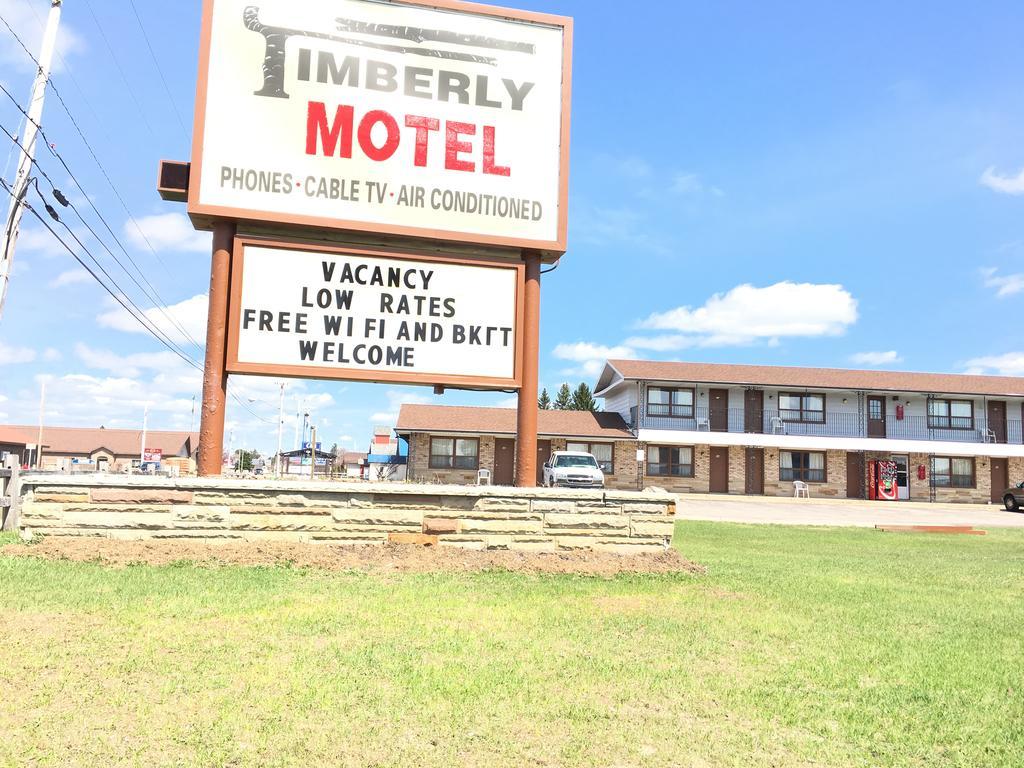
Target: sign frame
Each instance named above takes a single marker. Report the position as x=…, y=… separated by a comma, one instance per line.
x=233, y=365
x=203, y=216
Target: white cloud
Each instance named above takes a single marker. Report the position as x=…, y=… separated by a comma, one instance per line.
x=1009, y=185
x=1005, y=285
x=876, y=358
x=167, y=232
x=126, y=365
x=11, y=355
x=51, y=355
x=190, y=314
x=687, y=184
x=590, y=357
x=28, y=19
x=396, y=400
x=747, y=313
x=614, y=227
x=666, y=343
x=70, y=277
x=1008, y=364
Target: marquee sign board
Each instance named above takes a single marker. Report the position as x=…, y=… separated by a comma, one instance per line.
x=423, y=118
x=345, y=313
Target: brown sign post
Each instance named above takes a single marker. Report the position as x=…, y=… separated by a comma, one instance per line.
x=427, y=134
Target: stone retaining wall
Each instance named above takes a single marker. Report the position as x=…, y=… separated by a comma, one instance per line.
x=542, y=519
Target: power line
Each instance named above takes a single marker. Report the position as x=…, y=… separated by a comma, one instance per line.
x=145, y=322
x=68, y=70
x=159, y=69
x=158, y=300
x=88, y=146
x=117, y=64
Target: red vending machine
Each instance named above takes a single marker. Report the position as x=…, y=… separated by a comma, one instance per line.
x=882, y=481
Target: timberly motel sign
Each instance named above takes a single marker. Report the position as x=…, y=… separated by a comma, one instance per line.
x=383, y=179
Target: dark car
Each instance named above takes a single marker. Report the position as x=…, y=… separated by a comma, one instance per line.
x=1013, y=497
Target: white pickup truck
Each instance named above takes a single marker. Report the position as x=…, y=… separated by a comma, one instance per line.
x=572, y=469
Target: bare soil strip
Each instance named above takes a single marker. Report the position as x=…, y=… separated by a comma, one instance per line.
x=388, y=558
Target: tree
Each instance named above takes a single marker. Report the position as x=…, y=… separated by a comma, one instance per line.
x=563, y=400
x=583, y=399
x=544, y=401
x=246, y=460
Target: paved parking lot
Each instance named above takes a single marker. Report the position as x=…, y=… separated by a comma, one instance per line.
x=747, y=509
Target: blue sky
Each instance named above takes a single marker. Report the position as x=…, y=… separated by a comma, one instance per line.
x=790, y=183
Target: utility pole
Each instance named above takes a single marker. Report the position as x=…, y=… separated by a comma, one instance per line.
x=142, y=448
x=9, y=235
x=280, y=429
x=39, y=444
x=312, y=452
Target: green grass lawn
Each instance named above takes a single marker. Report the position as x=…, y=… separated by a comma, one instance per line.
x=830, y=647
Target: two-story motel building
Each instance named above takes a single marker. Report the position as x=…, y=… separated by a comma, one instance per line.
x=757, y=429
x=747, y=429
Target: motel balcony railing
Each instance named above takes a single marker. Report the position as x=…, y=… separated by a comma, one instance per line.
x=976, y=430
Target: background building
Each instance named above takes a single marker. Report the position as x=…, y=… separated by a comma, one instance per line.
x=75, y=449
x=449, y=444
x=757, y=429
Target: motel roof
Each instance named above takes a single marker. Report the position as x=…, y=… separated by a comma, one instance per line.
x=617, y=371
x=86, y=440
x=502, y=421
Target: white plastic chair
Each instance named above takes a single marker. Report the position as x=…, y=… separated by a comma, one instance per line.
x=800, y=489
x=778, y=425
x=703, y=424
x=483, y=477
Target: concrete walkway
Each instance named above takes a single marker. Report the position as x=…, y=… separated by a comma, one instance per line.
x=786, y=511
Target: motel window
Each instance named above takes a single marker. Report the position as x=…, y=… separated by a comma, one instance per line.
x=669, y=461
x=804, y=407
x=674, y=403
x=808, y=466
x=950, y=472
x=950, y=414
x=601, y=451
x=454, y=452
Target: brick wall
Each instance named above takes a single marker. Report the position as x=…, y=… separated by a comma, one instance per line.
x=419, y=462
x=538, y=519
x=835, y=476
x=699, y=483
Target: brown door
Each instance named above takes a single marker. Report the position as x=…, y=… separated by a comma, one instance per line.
x=876, y=417
x=719, y=410
x=753, y=410
x=719, y=470
x=855, y=475
x=1000, y=479
x=504, y=461
x=754, y=475
x=997, y=420
x=543, y=454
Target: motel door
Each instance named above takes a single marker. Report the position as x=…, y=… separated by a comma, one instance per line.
x=753, y=410
x=754, y=476
x=855, y=469
x=504, y=461
x=719, y=480
x=543, y=454
x=997, y=420
x=902, y=477
x=876, y=417
x=719, y=405
x=1000, y=479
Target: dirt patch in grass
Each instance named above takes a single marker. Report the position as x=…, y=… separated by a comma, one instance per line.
x=387, y=558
